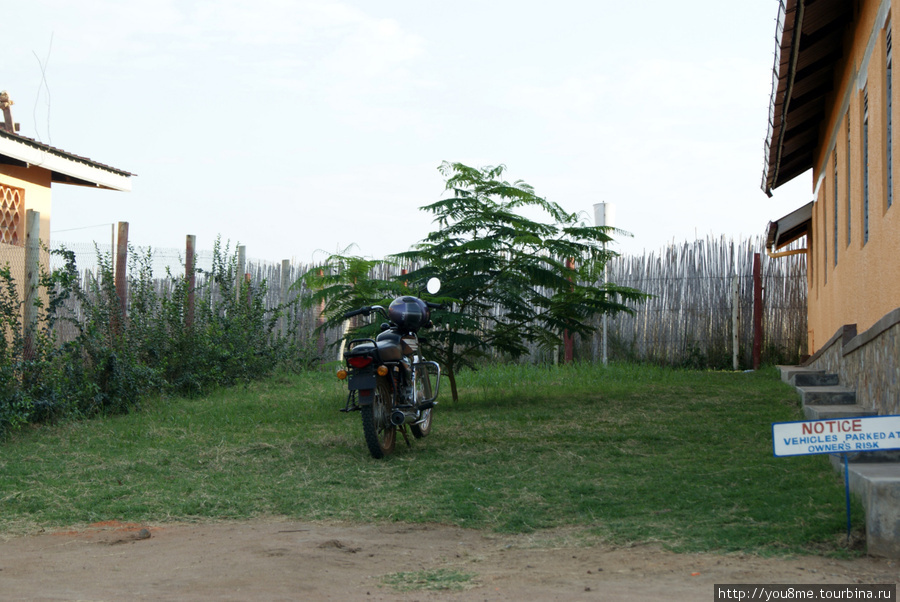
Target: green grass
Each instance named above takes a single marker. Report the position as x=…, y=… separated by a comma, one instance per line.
x=622, y=453
x=439, y=579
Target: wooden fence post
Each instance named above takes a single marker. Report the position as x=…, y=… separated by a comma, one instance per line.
x=604, y=319
x=241, y=267
x=735, y=323
x=568, y=341
x=285, y=290
x=121, y=277
x=191, y=279
x=320, y=320
x=757, y=310
x=32, y=269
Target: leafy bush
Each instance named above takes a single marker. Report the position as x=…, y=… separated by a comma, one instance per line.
x=115, y=359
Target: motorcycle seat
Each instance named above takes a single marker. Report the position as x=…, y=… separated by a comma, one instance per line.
x=388, y=350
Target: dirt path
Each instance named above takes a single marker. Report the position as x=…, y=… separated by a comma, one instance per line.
x=316, y=561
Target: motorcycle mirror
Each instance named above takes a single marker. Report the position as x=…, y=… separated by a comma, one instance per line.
x=433, y=286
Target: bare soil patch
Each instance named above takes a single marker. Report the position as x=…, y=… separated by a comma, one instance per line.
x=271, y=560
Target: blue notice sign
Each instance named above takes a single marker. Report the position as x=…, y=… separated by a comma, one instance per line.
x=836, y=435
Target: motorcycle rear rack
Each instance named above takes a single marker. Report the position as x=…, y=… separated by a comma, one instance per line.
x=356, y=342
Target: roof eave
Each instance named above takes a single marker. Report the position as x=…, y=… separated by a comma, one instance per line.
x=789, y=228
x=809, y=39
x=66, y=168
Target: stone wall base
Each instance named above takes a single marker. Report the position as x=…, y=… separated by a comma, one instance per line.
x=868, y=362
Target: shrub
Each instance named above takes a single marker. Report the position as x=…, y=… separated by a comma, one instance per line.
x=115, y=360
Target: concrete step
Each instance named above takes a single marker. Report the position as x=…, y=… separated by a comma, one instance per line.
x=865, y=457
x=787, y=372
x=874, y=476
x=829, y=412
x=810, y=379
x=830, y=396
x=878, y=485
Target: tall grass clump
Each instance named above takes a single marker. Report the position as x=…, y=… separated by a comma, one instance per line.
x=116, y=359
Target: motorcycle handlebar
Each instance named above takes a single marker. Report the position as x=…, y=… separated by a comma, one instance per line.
x=369, y=309
x=356, y=312
x=365, y=311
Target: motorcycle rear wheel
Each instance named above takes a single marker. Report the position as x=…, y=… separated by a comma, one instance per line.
x=422, y=429
x=378, y=431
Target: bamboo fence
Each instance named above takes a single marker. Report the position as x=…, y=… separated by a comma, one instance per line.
x=688, y=321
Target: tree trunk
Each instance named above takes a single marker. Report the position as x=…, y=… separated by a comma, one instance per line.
x=450, y=365
x=451, y=376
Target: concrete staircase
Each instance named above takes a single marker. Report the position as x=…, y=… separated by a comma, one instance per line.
x=821, y=394
x=874, y=476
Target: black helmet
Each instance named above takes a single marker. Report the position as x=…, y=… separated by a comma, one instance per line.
x=409, y=313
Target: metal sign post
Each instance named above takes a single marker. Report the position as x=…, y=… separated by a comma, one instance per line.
x=836, y=436
x=847, y=493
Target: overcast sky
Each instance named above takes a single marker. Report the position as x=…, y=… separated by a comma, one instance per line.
x=298, y=128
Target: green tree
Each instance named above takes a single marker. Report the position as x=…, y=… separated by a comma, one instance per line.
x=510, y=281
x=344, y=282
x=513, y=281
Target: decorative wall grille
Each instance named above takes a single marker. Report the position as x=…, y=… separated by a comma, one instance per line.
x=12, y=218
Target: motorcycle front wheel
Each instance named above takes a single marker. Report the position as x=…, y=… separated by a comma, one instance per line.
x=380, y=434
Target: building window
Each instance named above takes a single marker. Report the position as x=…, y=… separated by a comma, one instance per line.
x=824, y=233
x=849, y=196
x=865, y=166
x=12, y=218
x=888, y=126
x=835, y=187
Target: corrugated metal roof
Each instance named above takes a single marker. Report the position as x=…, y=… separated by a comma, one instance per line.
x=789, y=228
x=809, y=44
x=61, y=153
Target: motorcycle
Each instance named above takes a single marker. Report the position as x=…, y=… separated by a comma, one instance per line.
x=389, y=382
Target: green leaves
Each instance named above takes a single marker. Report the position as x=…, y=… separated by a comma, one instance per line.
x=516, y=282
x=113, y=363
x=345, y=282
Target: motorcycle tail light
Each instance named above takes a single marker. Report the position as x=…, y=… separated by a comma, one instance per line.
x=359, y=362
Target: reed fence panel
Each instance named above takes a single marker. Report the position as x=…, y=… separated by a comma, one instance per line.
x=686, y=322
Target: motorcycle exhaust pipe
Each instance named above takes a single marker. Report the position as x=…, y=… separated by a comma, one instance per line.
x=399, y=417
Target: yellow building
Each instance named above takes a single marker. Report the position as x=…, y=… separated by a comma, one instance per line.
x=832, y=112
x=28, y=169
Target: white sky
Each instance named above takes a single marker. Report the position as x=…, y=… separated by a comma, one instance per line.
x=297, y=127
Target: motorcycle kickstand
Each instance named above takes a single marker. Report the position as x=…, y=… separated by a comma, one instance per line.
x=351, y=405
x=402, y=430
